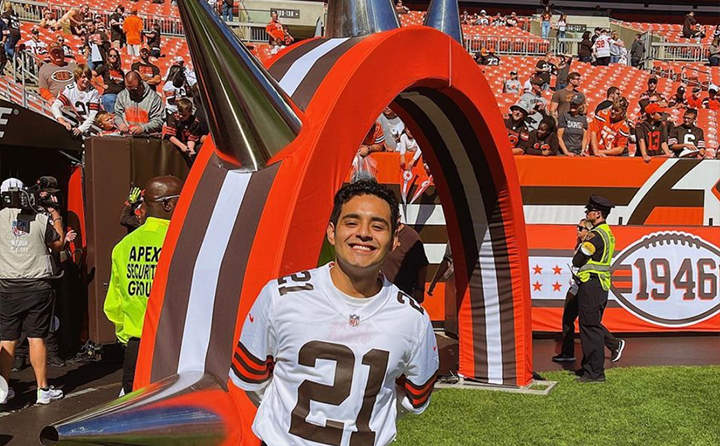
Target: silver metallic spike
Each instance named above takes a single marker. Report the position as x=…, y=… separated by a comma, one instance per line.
x=444, y=15
x=249, y=115
x=152, y=416
x=353, y=18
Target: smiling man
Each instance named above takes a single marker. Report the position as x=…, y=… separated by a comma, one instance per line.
x=332, y=354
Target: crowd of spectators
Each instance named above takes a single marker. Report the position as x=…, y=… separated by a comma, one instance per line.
x=562, y=127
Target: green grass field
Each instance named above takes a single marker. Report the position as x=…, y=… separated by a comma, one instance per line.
x=637, y=406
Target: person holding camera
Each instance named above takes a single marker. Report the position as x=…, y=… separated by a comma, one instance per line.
x=177, y=86
x=32, y=226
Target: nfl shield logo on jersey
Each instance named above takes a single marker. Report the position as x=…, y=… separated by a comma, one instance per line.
x=354, y=320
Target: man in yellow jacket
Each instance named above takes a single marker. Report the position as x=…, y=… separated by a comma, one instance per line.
x=134, y=261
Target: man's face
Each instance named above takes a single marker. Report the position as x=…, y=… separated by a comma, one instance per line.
x=517, y=115
x=83, y=83
x=144, y=55
x=537, y=88
x=615, y=96
x=592, y=216
x=616, y=114
x=652, y=86
x=135, y=87
x=513, y=76
x=656, y=117
x=274, y=17
x=184, y=116
x=57, y=57
x=575, y=82
x=543, y=131
x=363, y=236
x=688, y=120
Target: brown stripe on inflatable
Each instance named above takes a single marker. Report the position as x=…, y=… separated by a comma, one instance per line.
x=232, y=271
x=462, y=206
x=281, y=67
x=309, y=85
x=501, y=257
x=177, y=292
x=574, y=196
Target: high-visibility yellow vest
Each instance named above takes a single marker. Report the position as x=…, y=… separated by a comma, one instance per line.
x=134, y=261
x=602, y=267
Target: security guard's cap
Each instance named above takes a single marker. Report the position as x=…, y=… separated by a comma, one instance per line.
x=597, y=203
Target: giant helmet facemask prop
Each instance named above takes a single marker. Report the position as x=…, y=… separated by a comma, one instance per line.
x=258, y=198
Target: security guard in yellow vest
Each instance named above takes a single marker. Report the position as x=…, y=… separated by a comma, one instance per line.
x=134, y=261
x=593, y=259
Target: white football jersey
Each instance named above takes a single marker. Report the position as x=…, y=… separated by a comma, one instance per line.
x=333, y=367
x=78, y=105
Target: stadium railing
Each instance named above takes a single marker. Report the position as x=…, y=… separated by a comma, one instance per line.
x=29, y=12
x=683, y=52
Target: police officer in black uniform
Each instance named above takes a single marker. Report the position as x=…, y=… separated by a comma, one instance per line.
x=593, y=258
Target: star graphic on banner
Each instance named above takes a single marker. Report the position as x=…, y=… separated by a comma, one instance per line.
x=537, y=286
x=556, y=286
x=537, y=269
x=557, y=270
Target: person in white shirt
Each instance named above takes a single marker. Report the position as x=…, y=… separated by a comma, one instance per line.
x=601, y=49
x=333, y=355
x=408, y=145
x=36, y=46
x=78, y=104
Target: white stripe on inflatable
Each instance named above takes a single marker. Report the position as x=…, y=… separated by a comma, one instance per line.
x=301, y=67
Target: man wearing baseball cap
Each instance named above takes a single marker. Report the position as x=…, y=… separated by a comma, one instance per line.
x=536, y=101
x=516, y=126
x=512, y=85
x=651, y=134
x=593, y=258
x=53, y=77
x=712, y=102
x=149, y=72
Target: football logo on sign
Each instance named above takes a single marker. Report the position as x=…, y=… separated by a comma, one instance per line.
x=668, y=279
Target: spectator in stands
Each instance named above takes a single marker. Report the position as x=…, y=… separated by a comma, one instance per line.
x=53, y=77
x=536, y=101
x=483, y=20
x=113, y=78
x=601, y=49
x=695, y=100
x=652, y=84
x=596, y=34
x=104, y=125
x=96, y=51
x=678, y=100
x=561, y=26
x=153, y=40
x=545, y=19
x=714, y=52
x=67, y=51
x=573, y=129
x=400, y=8
x=615, y=47
x=512, y=85
x=77, y=105
x=132, y=27
x=392, y=126
x=277, y=30
x=481, y=55
x=637, y=51
x=408, y=145
x=117, y=35
x=11, y=33
x=651, y=134
x=545, y=68
x=687, y=140
x=560, y=102
x=177, y=86
x=498, y=20
x=542, y=141
x=36, y=46
x=374, y=141
x=516, y=125
x=563, y=71
x=465, y=18
x=138, y=109
x=609, y=131
x=691, y=29
x=585, y=48
x=511, y=20
x=150, y=72
x=184, y=129
x=712, y=102
x=73, y=22
x=48, y=21
x=226, y=12
x=492, y=59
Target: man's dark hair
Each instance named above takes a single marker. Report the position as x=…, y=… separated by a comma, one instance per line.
x=549, y=121
x=574, y=75
x=612, y=90
x=691, y=111
x=366, y=187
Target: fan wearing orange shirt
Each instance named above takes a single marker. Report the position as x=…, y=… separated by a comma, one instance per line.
x=133, y=26
x=277, y=30
x=609, y=131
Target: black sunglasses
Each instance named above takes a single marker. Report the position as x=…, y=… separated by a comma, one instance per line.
x=581, y=228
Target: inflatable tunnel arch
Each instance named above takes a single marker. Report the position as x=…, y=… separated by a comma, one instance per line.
x=237, y=228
